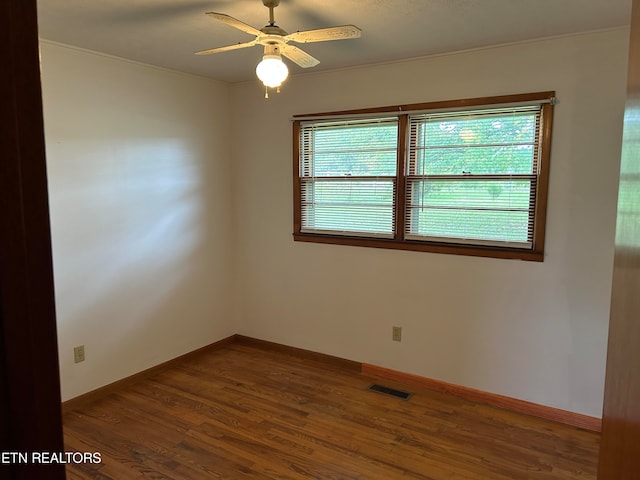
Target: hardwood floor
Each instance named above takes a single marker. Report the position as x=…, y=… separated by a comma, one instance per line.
x=244, y=412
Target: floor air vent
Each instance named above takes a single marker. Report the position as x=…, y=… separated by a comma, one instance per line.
x=389, y=391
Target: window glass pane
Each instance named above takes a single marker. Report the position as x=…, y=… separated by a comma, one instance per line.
x=348, y=205
x=479, y=129
x=357, y=148
x=354, y=163
x=477, y=160
x=503, y=226
x=485, y=194
x=476, y=144
x=352, y=218
x=348, y=192
x=465, y=209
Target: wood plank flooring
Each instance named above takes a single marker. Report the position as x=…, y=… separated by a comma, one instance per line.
x=244, y=412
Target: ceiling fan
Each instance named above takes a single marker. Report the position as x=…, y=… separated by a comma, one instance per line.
x=271, y=70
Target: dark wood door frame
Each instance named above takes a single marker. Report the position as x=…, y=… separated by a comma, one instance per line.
x=30, y=414
x=620, y=444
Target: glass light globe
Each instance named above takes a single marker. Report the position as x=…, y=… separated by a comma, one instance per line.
x=272, y=71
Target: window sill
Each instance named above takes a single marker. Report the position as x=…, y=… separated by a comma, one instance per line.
x=450, y=249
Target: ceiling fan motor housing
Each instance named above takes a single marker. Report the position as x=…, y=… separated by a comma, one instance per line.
x=273, y=30
x=272, y=49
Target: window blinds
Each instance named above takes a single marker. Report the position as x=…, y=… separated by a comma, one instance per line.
x=472, y=177
x=348, y=176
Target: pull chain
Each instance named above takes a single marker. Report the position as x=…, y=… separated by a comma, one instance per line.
x=266, y=91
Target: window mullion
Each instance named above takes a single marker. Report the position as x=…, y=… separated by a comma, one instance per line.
x=297, y=182
x=401, y=183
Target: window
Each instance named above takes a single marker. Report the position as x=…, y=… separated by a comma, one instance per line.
x=465, y=177
x=349, y=175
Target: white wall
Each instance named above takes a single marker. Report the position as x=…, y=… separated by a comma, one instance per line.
x=157, y=252
x=138, y=164
x=533, y=331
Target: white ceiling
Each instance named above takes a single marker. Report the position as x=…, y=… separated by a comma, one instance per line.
x=167, y=32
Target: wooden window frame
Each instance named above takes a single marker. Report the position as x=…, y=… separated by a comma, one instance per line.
x=535, y=253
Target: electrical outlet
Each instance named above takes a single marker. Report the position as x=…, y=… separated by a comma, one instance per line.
x=78, y=354
x=396, y=334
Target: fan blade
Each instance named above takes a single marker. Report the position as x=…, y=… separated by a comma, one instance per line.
x=300, y=57
x=324, y=34
x=225, y=49
x=235, y=23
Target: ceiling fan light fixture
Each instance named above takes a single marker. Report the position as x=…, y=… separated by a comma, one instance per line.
x=272, y=71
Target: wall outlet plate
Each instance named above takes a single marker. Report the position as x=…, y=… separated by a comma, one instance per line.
x=396, y=334
x=78, y=354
